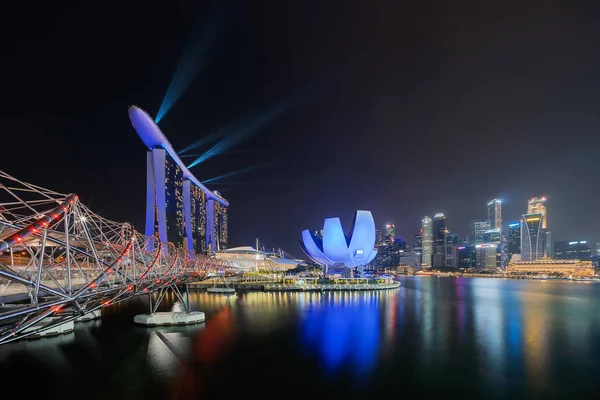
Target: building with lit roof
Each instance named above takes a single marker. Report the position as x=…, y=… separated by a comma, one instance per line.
x=574, y=268
x=179, y=208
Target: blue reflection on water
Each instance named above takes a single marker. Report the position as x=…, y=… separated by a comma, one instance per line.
x=343, y=333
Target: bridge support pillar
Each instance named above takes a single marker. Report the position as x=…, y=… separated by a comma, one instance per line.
x=184, y=317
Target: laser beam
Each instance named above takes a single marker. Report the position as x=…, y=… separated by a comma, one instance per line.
x=252, y=127
x=191, y=61
x=237, y=172
x=211, y=137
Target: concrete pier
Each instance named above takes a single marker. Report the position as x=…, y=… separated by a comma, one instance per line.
x=89, y=316
x=169, y=318
x=221, y=290
x=67, y=327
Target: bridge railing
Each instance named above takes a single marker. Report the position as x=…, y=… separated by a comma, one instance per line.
x=68, y=261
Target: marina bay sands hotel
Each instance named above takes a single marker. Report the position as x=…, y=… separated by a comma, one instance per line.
x=179, y=209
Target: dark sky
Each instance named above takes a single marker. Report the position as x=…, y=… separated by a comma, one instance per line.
x=416, y=107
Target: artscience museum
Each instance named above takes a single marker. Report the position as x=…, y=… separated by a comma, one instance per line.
x=336, y=249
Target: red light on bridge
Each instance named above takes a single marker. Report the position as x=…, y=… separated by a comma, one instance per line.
x=19, y=239
x=93, y=285
x=129, y=287
x=55, y=216
x=106, y=303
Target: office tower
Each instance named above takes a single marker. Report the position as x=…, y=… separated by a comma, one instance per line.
x=538, y=205
x=418, y=245
x=390, y=233
x=378, y=238
x=466, y=256
x=492, y=236
x=598, y=249
x=514, y=238
x=451, y=245
x=427, y=253
x=494, y=214
x=548, y=243
x=439, y=241
x=532, y=237
x=504, y=254
x=572, y=250
x=478, y=229
x=486, y=256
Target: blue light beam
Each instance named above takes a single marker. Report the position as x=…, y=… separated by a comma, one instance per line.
x=252, y=127
x=213, y=136
x=192, y=59
x=239, y=171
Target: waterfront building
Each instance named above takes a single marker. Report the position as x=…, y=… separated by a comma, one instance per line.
x=478, y=229
x=409, y=258
x=247, y=258
x=418, y=245
x=572, y=250
x=451, y=245
x=532, y=237
x=494, y=214
x=466, y=256
x=439, y=241
x=179, y=208
x=338, y=250
x=427, y=253
x=514, y=238
x=565, y=268
x=548, y=240
x=486, y=256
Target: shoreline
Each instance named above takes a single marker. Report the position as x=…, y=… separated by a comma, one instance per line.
x=530, y=278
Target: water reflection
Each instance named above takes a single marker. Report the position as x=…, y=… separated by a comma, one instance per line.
x=480, y=337
x=344, y=328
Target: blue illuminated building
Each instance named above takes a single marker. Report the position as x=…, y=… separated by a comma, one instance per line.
x=336, y=249
x=179, y=208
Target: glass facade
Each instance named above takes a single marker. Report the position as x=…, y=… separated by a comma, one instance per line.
x=478, y=229
x=572, y=250
x=174, y=201
x=220, y=224
x=494, y=214
x=532, y=237
x=514, y=238
x=198, y=218
x=427, y=242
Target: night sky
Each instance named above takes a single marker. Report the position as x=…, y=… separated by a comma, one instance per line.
x=412, y=108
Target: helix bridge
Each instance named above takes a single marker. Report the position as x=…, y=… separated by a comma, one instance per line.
x=60, y=261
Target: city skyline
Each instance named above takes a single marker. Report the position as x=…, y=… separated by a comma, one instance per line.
x=389, y=126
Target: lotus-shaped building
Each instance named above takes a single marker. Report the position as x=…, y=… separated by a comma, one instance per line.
x=338, y=249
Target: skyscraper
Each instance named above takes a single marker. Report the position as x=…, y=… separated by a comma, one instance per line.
x=427, y=253
x=572, y=250
x=514, y=238
x=494, y=214
x=439, y=241
x=538, y=205
x=478, y=229
x=451, y=246
x=378, y=238
x=390, y=233
x=532, y=237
